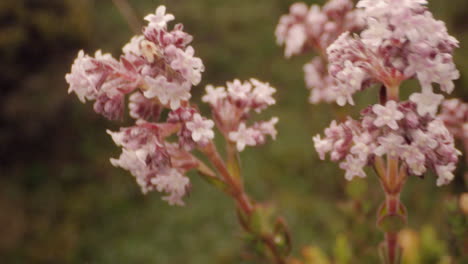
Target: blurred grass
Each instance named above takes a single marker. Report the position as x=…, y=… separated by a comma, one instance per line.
x=62, y=202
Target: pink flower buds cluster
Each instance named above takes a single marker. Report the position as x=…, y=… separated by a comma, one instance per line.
x=155, y=163
x=160, y=63
x=231, y=109
x=157, y=71
x=454, y=113
x=305, y=29
x=402, y=40
x=397, y=131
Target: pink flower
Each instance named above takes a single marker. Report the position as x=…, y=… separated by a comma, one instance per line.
x=387, y=115
x=213, y=95
x=349, y=81
x=415, y=159
x=295, y=40
x=423, y=140
x=268, y=127
x=238, y=90
x=174, y=183
x=390, y=144
x=168, y=93
x=262, y=94
x=160, y=18
x=243, y=137
x=86, y=75
x=445, y=174
x=363, y=146
x=353, y=167
x=427, y=102
x=202, y=129
x=133, y=46
x=322, y=146
x=189, y=66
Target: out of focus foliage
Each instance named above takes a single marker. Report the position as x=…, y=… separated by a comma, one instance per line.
x=62, y=202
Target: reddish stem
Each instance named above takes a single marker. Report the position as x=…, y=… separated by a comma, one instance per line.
x=391, y=239
x=235, y=189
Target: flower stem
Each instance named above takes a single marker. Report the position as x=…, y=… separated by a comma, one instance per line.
x=392, y=215
x=128, y=13
x=391, y=239
x=392, y=92
x=236, y=190
x=244, y=203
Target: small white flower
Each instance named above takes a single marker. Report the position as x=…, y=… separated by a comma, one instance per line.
x=175, y=94
x=387, y=115
x=213, y=95
x=238, y=90
x=243, y=137
x=202, y=129
x=295, y=40
x=263, y=92
x=174, y=183
x=160, y=18
x=415, y=159
x=427, y=102
x=363, y=146
x=189, y=66
x=168, y=93
x=322, y=146
x=268, y=127
x=354, y=167
x=445, y=174
x=424, y=140
x=390, y=144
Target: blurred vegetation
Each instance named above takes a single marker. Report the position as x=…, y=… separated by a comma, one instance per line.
x=62, y=202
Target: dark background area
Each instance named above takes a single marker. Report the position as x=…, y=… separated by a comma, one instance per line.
x=61, y=201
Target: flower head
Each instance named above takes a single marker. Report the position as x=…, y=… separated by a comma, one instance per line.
x=419, y=142
x=402, y=41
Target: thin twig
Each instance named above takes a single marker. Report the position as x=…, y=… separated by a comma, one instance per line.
x=129, y=14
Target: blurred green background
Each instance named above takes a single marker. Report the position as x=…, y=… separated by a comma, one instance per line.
x=61, y=201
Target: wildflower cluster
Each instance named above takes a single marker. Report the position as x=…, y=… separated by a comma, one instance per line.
x=231, y=108
x=160, y=63
x=157, y=71
x=397, y=131
x=388, y=52
x=314, y=29
x=401, y=41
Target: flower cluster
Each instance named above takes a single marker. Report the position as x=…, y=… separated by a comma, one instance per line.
x=160, y=63
x=157, y=71
x=454, y=113
x=305, y=29
x=402, y=40
x=231, y=108
x=155, y=163
x=397, y=131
